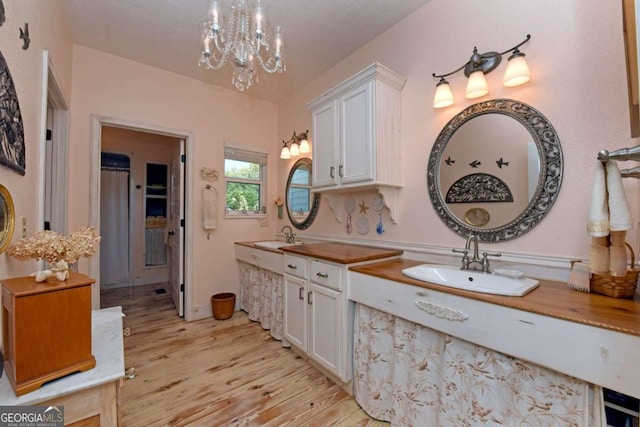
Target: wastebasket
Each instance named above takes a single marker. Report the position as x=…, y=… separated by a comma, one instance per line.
x=222, y=305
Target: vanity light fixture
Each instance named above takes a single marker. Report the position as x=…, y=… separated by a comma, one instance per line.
x=479, y=64
x=298, y=144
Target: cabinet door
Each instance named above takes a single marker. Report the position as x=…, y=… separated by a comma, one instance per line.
x=325, y=327
x=356, y=155
x=325, y=141
x=295, y=311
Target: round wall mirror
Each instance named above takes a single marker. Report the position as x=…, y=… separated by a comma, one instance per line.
x=7, y=218
x=495, y=170
x=302, y=203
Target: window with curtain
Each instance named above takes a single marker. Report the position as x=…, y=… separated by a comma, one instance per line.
x=245, y=178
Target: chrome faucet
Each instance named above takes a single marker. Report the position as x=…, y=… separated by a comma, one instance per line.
x=288, y=237
x=475, y=263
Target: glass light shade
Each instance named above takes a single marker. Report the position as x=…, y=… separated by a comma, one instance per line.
x=285, y=154
x=477, y=85
x=443, y=97
x=304, y=146
x=295, y=149
x=517, y=72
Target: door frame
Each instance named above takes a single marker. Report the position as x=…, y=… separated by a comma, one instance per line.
x=97, y=121
x=52, y=97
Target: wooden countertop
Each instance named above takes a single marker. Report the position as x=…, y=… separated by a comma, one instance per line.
x=341, y=253
x=550, y=298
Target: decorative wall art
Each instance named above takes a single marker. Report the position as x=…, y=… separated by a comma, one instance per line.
x=24, y=35
x=12, y=149
x=479, y=187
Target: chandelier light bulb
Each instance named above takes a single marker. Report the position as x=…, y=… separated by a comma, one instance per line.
x=285, y=154
x=295, y=149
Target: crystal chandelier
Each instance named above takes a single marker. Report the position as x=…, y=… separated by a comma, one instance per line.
x=243, y=36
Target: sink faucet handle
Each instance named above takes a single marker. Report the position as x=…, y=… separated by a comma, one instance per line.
x=485, y=260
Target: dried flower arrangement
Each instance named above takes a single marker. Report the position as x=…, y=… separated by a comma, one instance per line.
x=56, y=249
x=53, y=247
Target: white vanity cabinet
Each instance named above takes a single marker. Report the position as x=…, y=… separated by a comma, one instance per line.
x=356, y=131
x=314, y=312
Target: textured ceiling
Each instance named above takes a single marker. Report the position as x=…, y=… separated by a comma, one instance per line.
x=165, y=34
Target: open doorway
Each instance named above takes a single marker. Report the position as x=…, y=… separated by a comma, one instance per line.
x=54, y=136
x=155, y=247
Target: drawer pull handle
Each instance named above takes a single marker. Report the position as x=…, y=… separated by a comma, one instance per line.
x=256, y=257
x=441, y=311
x=300, y=293
x=323, y=275
x=293, y=267
x=340, y=173
x=309, y=298
x=331, y=174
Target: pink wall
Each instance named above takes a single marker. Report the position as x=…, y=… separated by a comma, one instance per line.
x=47, y=27
x=110, y=86
x=576, y=57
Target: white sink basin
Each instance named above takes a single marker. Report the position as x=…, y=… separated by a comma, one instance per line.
x=274, y=244
x=469, y=280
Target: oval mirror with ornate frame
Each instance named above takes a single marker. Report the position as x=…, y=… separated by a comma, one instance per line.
x=302, y=203
x=7, y=218
x=501, y=159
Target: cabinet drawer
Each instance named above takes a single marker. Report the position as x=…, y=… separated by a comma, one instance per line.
x=324, y=274
x=295, y=266
x=264, y=259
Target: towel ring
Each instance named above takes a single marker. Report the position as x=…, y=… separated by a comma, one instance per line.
x=208, y=188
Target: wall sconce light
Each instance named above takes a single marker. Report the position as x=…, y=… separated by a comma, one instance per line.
x=479, y=64
x=295, y=146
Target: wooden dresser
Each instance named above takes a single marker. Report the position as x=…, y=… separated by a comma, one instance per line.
x=46, y=330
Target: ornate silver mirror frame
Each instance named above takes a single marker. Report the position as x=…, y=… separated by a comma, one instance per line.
x=314, y=198
x=549, y=179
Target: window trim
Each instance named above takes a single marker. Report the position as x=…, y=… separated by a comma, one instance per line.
x=245, y=153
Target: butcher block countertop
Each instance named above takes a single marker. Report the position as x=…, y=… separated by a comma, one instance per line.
x=550, y=298
x=341, y=253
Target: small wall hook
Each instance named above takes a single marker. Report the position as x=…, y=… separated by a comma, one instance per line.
x=24, y=35
x=2, y=17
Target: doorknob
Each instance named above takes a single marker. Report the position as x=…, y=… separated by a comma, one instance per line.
x=171, y=233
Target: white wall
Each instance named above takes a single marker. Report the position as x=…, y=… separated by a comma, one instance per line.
x=576, y=57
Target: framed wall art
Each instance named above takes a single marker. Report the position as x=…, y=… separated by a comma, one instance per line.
x=12, y=149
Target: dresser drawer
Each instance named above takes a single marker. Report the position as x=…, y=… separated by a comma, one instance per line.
x=295, y=266
x=267, y=260
x=325, y=274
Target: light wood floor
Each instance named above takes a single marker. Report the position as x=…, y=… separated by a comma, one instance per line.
x=218, y=373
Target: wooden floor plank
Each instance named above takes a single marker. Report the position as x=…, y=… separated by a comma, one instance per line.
x=218, y=373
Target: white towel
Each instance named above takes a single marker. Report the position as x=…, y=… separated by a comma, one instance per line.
x=619, y=213
x=209, y=212
x=598, y=225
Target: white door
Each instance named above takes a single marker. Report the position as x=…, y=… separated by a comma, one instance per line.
x=176, y=230
x=325, y=140
x=295, y=312
x=325, y=324
x=356, y=137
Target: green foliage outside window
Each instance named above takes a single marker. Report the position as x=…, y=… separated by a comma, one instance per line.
x=243, y=186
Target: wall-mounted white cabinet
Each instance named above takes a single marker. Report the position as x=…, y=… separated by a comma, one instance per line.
x=356, y=135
